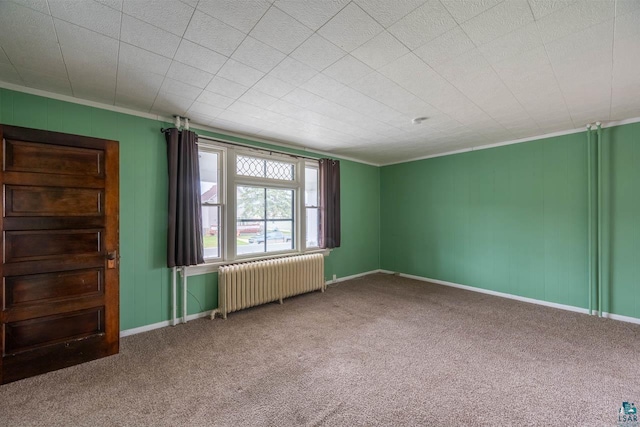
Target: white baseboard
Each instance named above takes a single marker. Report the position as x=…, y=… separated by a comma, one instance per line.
x=575, y=309
x=162, y=324
x=621, y=318
x=353, y=276
x=165, y=323
x=499, y=294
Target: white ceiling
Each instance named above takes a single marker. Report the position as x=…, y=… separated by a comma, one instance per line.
x=336, y=75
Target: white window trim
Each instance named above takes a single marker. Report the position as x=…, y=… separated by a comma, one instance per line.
x=229, y=180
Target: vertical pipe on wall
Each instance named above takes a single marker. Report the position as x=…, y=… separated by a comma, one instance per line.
x=183, y=270
x=600, y=245
x=174, y=296
x=590, y=217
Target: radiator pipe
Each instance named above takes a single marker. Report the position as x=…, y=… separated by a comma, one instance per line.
x=600, y=197
x=590, y=217
x=174, y=296
x=184, y=294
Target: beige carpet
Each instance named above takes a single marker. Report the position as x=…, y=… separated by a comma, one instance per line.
x=379, y=350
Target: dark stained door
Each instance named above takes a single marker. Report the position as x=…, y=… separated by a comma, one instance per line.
x=59, y=300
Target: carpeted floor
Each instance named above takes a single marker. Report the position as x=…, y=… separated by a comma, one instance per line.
x=379, y=350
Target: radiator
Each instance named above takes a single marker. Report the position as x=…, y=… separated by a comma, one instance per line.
x=253, y=283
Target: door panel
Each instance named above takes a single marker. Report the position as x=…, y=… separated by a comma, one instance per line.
x=43, y=244
x=52, y=201
x=48, y=287
x=59, y=296
x=52, y=159
x=27, y=334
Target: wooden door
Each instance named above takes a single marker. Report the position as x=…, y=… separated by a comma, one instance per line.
x=59, y=298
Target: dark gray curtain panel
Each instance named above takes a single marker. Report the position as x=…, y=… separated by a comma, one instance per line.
x=184, y=240
x=329, y=203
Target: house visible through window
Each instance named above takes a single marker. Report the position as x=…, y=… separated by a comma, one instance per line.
x=256, y=203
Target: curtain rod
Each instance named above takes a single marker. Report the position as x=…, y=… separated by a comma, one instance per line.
x=239, y=144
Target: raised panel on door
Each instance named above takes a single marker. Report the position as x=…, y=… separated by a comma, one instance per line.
x=46, y=244
x=48, y=287
x=26, y=156
x=23, y=200
x=40, y=331
x=59, y=295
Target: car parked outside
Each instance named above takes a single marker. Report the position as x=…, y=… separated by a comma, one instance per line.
x=272, y=235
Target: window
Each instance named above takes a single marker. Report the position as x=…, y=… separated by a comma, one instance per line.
x=256, y=204
x=211, y=194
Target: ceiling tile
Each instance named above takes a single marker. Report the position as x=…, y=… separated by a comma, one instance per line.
x=524, y=65
x=25, y=27
x=213, y=34
x=90, y=58
x=279, y=30
x=257, y=55
x=93, y=16
x=37, y=5
x=347, y=70
x=626, y=6
x=422, y=25
x=203, y=110
x=113, y=4
x=497, y=21
x=226, y=87
x=240, y=73
x=39, y=80
x=171, y=105
x=217, y=100
x=446, y=47
x=148, y=37
x=188, y=74
x=135, y=82
x=389, y=93
x=463, y=10
x=139, y=58
x=99, y=93
x=273, y=86
x=311, y=13
x=317, y=52
x=387, y=13
x=324, y=86
x=242, y=15
x=257, y=98
x=239, y=125
x=199, y=57
x=469, y=63
x=292, y=71
x=576, y=17
x=542, y=8
x=171, y=16
x=380, y=50
x=4, y=59
x=9, y=74
x=521, y=40
x=35, y=57
x=302, y=98
x=593, y=43
x=134, y=101
x=176, y=87
x=350, y=28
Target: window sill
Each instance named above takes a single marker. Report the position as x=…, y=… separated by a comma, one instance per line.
x=212, y=267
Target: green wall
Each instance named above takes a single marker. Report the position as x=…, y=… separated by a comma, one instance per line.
x=513, y=219
x=145, y=282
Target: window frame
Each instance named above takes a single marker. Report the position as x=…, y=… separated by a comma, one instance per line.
x=227, y=195
x=221, y=192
